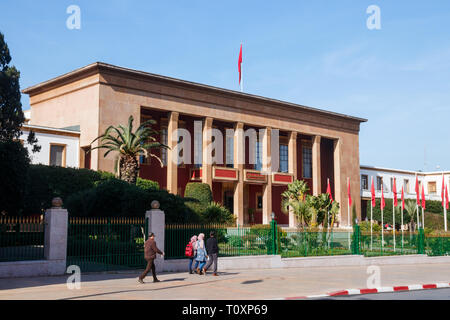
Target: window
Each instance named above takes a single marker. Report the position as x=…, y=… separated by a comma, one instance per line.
x=164, y=141
x=57, y=155
x=259, y=202
x=406, y=185
x=307, y=162
x=258, y=156
x=379, y=183
x=364, y=182
x=229, y=149
x=198, y=149
x=432, y=187
x=284, y=158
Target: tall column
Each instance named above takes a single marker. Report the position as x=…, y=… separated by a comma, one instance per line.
x=343, y=214
x=316, y=174
x=207, y=151
x=267, y=188
x=172, y=140
x=238, y=161
x=292, y=167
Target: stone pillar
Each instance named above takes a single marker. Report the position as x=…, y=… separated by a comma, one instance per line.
x=316, y=174
x=292, y=154
x=238, y=160
x=172, y=140
x=207, y=152
x=343, y=214
x=157, y=225
x=267, y=188
x=55, y=243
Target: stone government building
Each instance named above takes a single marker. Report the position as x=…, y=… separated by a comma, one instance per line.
x=315, y=145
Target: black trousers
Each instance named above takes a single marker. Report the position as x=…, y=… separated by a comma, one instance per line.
x=212, y=258
x=150, y=266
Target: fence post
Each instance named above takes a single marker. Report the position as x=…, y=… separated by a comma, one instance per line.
x=157, y=224
x=421, y=240
x=273, y=227
x=356, y=238
x=55, y=243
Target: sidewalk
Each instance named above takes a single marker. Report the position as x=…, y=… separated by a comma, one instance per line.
x=230, y=285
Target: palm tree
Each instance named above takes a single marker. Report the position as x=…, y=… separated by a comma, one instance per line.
x=294, y=199
x=130, y=145
x=410, y=207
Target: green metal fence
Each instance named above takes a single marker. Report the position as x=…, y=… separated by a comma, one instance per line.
x=21, y=238
x=102, y=244
x=232, y=241
x=437, y=245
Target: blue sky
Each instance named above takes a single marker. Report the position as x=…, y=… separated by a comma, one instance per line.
x=316, y=53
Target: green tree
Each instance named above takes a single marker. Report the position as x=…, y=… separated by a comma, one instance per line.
x=294, y=198
x=11, y=114
x=129, y=145
x=410, y=210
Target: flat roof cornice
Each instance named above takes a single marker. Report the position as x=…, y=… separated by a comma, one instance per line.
x=98, y=67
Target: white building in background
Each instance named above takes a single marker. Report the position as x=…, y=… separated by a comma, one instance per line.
x=432, y=182
x=59, y=146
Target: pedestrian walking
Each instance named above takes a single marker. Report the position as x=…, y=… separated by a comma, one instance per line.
x=212, y=249
x=191, y=252
x=150, y=251
x=201, y=252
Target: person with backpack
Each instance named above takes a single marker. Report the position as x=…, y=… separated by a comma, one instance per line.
x=201, y=252
x=212, y=250
x=190, y=252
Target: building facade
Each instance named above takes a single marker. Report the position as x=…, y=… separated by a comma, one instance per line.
x=314, y=145
x=432, y=183
x=59, y=147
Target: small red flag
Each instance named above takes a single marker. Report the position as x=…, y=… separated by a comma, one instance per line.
x=329, y=190
x=417, y=191
x=382, y=205
x=423, y=198
x=442, y=191
x=239, y=64
x=403, y=200
x=394, y=190
x=372, y=190
x=349, y=194
x=446, y=197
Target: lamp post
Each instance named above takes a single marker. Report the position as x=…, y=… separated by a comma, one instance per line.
x=273, y=227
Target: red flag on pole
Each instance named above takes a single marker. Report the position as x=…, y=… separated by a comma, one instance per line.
x=442, y=191
x=329, y=190
x=372, y=190
x=239, y=64
x=403, y=200
x=382, y=205
x=446, y=197
x=349, y=194
x=423, y=198
x=394, y=190
x=417, y=191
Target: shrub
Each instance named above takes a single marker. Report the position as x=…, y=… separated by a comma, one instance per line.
x=365, y=227
x=216, y=213
x=147, y=185
x=14, y=164
x=264, y=231
x=199, y=191
x=174, y=207
x=46, y=182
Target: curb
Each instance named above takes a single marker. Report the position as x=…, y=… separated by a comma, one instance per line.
x=351, y=292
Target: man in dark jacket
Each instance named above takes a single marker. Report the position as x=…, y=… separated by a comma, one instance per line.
x=150, y=251
x=213, y=252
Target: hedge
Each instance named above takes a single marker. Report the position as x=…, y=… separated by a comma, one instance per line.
x=14, y=164
x=198, y=191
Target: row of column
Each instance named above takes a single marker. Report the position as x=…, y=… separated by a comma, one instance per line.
x=239, y=156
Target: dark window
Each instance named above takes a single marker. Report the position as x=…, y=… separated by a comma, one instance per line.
x=379, y=183
x=307, y=162
x=259, y=202
x=364, y=182
x=258, y=156
x=57, y=155
x=284, y=158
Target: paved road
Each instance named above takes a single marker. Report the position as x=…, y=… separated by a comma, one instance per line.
x=432, y=294
x=232, y=285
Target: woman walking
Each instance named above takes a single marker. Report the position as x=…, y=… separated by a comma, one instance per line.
x=192, y=244
x=201, y=252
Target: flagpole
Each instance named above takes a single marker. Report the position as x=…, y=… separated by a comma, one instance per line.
x=393, y=211
x=402, y=228
x=382, y=222
x=445, y=209
x=371, y=222
x=444, y=205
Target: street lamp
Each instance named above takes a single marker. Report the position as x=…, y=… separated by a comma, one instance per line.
x=272, y=215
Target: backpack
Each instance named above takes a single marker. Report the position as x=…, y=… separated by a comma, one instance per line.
x=189, y=251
